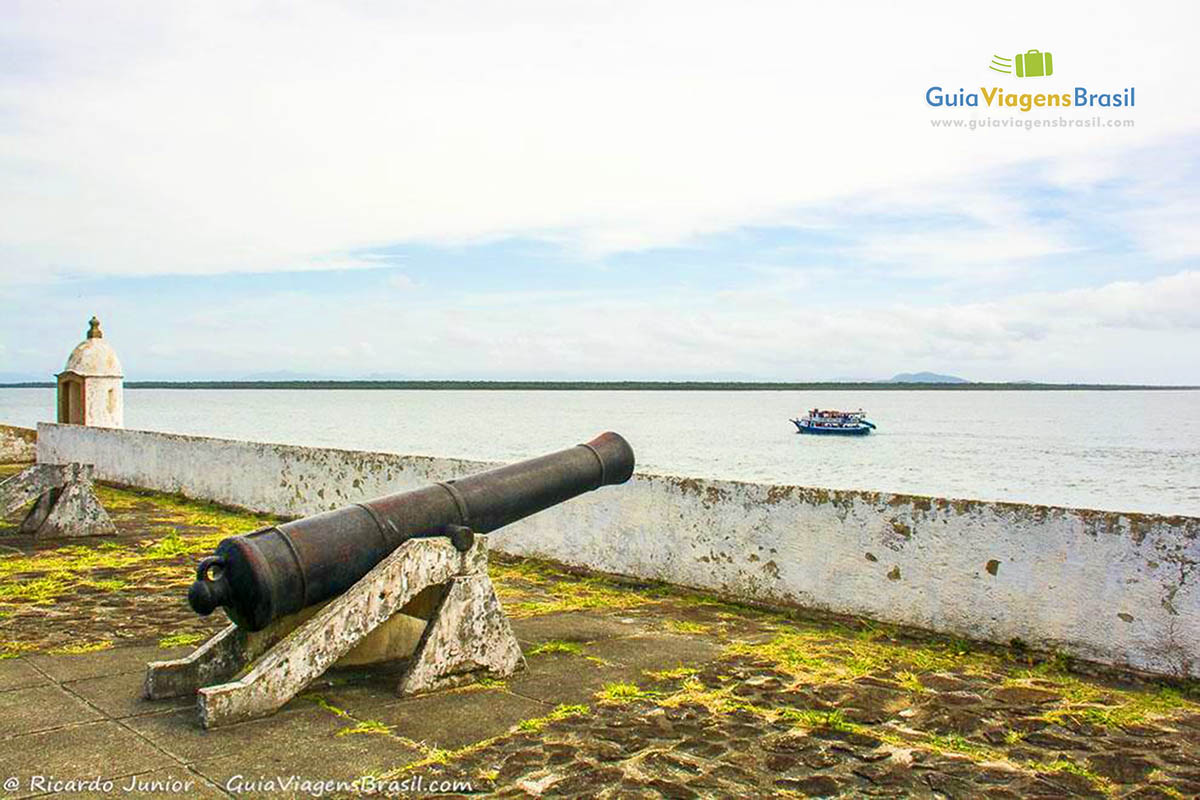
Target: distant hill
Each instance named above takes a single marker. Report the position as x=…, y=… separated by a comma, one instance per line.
x=283, y=375
x=926, y=377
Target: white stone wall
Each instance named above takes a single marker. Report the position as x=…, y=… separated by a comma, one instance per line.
x=104, y=402
x=1116, y=588
x=17, y=445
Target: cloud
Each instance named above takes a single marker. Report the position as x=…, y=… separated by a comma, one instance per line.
x=990, y=253
x=401, y=281
x=197, y=138
x=1170, y=303
x=1126, y=331
x=566, y=189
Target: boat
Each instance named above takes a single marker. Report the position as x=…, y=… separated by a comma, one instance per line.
x=834, y=423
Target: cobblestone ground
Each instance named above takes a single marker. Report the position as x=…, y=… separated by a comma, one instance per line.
x=105, y=591
x=741, y=727
x=795, y=706
x=631, y=690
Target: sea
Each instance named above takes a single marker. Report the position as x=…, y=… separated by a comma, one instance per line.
x=1113, y=450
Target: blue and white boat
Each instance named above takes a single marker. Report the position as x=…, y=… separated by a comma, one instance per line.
x=834, y=423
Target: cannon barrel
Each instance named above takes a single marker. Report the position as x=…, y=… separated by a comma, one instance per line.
x=261, y=576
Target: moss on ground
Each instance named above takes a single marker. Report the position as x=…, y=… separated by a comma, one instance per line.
x=182, y=639
x=687, y=626
x=1115, y=707
x=559, y=713
x=822, y=654
x=159, y=538
x=430, y=755
x=8, y=470
x=556, y=646
x=1075, y=768
x=678, y=673
x=620, y=693
x=11, y=649
x=813, y=656
x=529, y=589
x=366, y=726
x=178, y=529
x=175, y=510
x=691, y=692
x=81, y=648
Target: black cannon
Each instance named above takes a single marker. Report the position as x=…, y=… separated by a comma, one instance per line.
x=264, y=575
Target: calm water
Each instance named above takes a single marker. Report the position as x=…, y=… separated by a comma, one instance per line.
x=1113, y=450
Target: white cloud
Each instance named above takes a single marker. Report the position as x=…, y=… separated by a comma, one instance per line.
x=1168, y=303
x=401, y=281
x=200, y=137
x=1126, y=332
x=993, y=253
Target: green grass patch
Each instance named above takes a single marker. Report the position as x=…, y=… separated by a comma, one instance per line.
x=367, y=726
x=324, y=703
x=725, y=607
x=568, y=594
x=529, y=588
x=173, y=545
x=720, y=700
x=82, y=648
x=911, y=682
x=561, y=712
x=956, y=743
x=15, y=649
x=807, y=718
x=685, y=626
x=1107, y=706
x=181, y=510
x=823, y=656
x=105, y=584
x=678, y=673
x=1124, y=708
x=40, y=578
x=620, y=693
x=182, y=639
x=1075, y=768
x=39, y=591
x=117, y=501
x=434, y=756
x=524, y=569
x=557, y=646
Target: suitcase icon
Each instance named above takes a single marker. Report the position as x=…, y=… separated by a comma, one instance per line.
x=1034, y=64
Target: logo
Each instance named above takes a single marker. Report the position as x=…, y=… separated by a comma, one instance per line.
x=1030, y=64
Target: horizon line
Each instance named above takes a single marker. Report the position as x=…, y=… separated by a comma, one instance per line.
x=620, y=385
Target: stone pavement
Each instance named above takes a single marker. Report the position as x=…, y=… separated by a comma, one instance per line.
x=632, y=691
x=80, y=717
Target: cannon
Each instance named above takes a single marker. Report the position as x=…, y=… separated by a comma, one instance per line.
x=265, y=575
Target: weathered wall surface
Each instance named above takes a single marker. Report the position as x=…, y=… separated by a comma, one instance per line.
x=17, y=444
x=1116, y=588
x=105, y=401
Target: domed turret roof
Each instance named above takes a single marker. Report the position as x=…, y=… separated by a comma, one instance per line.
x=93, y=357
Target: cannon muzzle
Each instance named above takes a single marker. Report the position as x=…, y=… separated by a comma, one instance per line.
x=261, y=576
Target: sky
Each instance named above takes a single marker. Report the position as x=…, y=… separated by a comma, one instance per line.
x=598, y=190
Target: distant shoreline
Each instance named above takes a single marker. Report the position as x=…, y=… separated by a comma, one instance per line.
x=628, y=386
